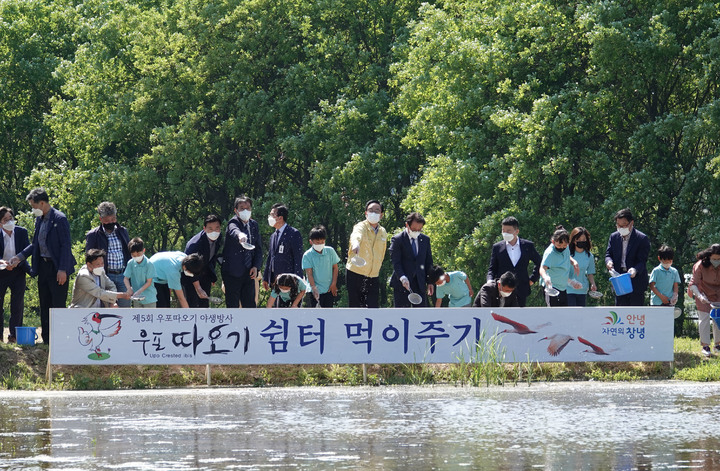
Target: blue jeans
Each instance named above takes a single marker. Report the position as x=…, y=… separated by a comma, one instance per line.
x=576, y=299
x=119, y=280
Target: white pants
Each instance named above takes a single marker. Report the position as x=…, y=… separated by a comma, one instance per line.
x=704, y=328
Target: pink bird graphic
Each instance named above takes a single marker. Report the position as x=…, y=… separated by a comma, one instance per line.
x=519, y=328
x=98, y=330
x=557, y=343
x=595, y=349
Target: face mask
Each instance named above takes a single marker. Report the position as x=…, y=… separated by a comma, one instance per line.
x=581, y=245
x=213, y=235
x=244, y=215
x=668, y=265
x=372, y=218
x=37, y=212
x=139, y=258
x=272, y=221
x=284, y=290
x=624, y=231
x=413, y=234
x=98, y=271
x=319, y=247
x=558, y=250
x=188, y=273
x=9, y=226
x=508, y=237
x=715, y=263
x=109, y=227
x=504, y=294
x=440, y=282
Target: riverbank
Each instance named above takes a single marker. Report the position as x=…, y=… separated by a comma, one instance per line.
x=23, y=367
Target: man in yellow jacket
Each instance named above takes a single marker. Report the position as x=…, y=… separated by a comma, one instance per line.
x=368, y=243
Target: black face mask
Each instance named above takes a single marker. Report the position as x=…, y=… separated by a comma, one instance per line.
x=582, y=245
x=109, y=227
x=559, y=250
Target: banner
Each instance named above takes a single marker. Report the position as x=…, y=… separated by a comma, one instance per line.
x=343, y=335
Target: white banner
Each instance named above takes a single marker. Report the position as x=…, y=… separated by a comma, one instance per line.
x=324, y=336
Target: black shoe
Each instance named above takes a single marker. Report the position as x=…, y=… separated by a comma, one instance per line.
x=12, y=339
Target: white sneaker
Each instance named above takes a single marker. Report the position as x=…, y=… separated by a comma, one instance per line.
x=706, y=351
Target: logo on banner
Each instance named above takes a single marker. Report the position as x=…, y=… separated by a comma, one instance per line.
x=100, y=326
x=613, y=319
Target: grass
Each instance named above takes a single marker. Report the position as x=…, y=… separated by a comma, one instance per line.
x=23, y=368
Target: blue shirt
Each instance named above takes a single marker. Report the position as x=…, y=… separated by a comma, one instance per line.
x=558, y=267
x=321, y=264
x=138, y=274
x=302, y=286
x=456, y=289
x=664, y=281
x=168, y=267
x=586, y=263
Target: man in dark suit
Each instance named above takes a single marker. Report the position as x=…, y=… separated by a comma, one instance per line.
x=206, y=243
x=627, y=252
x=514, y=254
x=412, y=260
x=14, y=239
x=286, y=249
x=498, y=293
x=113, y=239
x=53, y=261
x=240, y=264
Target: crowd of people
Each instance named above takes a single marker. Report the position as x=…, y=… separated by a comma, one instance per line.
x=116, y=271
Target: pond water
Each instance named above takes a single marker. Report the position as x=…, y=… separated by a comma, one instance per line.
x=590, y=426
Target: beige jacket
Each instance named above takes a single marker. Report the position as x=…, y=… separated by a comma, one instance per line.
x=86, y=291
x=372, y=248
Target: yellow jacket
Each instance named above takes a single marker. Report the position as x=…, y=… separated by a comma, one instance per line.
x=372, y=248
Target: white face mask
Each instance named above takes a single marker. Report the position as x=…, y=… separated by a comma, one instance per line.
x=98, y=271
x=413, y=234
x=666, y=265
x=188, y=273
x=319, y=247
x=272, y=221
x=504, y=294
x=284, y=290
x=715, y=263
x=139, y=258
x=507, y=237
x=9, y=226
x=244, y=215
x=213, y=235
x=440, y=282
x=373, y=218
x=37, y=212
x=624, y=231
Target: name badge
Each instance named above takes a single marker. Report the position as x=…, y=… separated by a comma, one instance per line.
x=281, y=249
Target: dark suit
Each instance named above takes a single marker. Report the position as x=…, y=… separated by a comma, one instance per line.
x=489, y=296
x=59, y=245
x=237, y=262
x=200, y=244
x=15, y=280
x=414, y=267
x=636, y=257
x=98, y=239
x=500, y=263
x=284, y=254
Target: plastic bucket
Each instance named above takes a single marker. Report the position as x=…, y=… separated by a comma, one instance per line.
x=26, y=335
x=715, y=315
x=622, y=284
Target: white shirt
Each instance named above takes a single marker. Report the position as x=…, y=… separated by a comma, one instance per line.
x=9, y=251
x=513, y=251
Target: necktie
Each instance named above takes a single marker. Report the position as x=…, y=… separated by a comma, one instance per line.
x=414, y=246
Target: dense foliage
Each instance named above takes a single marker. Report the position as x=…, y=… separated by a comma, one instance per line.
x=467, y=111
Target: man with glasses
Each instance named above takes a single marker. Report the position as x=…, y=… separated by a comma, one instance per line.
x=412, y=261
x=627, y=252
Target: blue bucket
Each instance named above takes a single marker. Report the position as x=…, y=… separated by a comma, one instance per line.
x=622, y=284
x=715, y=315
x=26, y=335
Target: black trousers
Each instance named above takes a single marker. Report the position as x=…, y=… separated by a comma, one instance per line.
x=239, y=291
x=363, y=291
x=400, y=294
x=557, y=301
x=51, y=294
x=326, y=300
x=163, y=295
x=191, y=295
x=15, y=281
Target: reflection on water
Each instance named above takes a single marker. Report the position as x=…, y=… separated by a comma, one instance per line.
x=558, y=426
